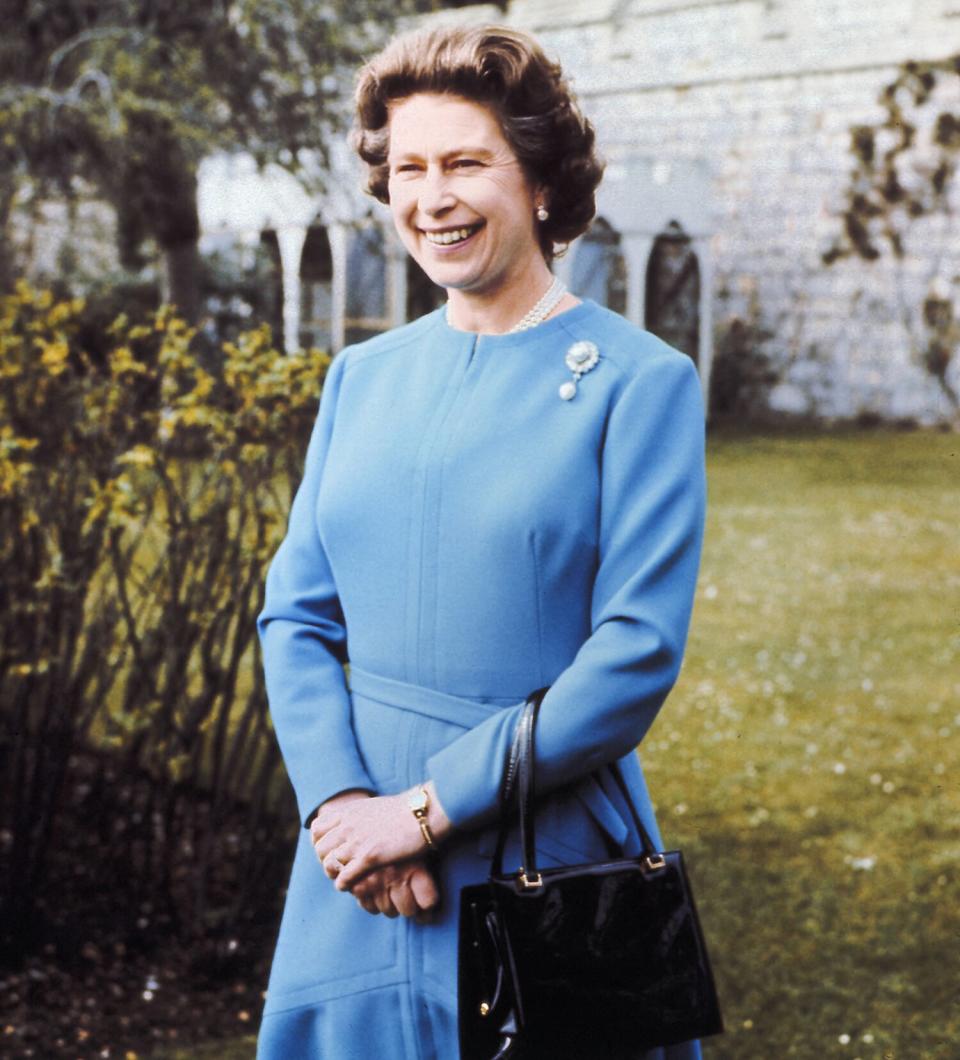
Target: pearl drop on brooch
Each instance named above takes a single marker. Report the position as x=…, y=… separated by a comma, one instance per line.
x=580, y=359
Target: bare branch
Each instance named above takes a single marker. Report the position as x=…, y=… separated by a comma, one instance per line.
x=88, y=36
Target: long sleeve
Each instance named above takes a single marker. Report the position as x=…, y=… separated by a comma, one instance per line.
x=305, y=642
x=652, y=498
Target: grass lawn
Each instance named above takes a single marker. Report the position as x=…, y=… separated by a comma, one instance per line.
x=807, y=762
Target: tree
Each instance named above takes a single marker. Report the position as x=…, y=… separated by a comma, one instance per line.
x=130, y=95
x=903, y=179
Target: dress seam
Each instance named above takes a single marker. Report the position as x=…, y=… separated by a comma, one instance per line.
x=444, y=461
x=416, y=544
x=408, y=994
x=279, y=1008
x=539, y=603
x=428, y=525
x=627, y=368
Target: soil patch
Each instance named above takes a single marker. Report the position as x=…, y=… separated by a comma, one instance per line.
x=111, y=974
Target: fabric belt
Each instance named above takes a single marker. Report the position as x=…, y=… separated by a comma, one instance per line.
x=457, y=710
x=603, y=804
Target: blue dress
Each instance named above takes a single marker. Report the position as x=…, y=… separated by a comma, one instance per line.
x=462, y=535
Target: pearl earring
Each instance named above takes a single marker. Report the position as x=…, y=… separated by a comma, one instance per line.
x=542, y=212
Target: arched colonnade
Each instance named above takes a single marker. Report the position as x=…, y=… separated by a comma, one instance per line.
x=647, y=256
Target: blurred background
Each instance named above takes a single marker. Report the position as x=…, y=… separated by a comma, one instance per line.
x=185, y=244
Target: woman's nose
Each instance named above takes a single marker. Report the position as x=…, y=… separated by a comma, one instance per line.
x=436, y=194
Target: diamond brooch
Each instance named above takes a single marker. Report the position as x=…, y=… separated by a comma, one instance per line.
x=580, y=358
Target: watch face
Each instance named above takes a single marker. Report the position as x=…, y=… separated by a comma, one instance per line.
x=418, y=800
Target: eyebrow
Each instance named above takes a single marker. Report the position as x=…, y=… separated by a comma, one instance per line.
x=485, y=152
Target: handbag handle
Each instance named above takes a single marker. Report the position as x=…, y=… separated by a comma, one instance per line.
x=519, y=779
x=521, y=753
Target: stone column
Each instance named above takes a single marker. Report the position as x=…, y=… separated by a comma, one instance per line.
x=701, y=247
x=636, y=249
x=396, y=277
x=563, y=267
x=290, y=239
x=338, y=234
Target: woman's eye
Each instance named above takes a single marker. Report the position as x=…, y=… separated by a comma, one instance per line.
x=465, y=163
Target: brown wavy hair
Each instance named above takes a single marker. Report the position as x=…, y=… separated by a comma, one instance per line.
x=507, y=71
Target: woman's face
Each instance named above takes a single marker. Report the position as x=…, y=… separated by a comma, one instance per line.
x=460, y=200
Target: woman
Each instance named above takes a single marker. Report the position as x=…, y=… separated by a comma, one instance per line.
x=505, y=494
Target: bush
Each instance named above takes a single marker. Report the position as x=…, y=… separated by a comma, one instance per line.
x=742, y=372
x=140, y=501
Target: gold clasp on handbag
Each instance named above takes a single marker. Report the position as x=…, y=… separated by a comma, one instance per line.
x=655, y=861
x=530, y=883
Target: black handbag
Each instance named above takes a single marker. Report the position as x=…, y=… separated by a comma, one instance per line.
x=587, y=962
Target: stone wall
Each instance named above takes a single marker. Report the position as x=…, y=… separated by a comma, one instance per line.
x=765, y=94
x=51, y=238
x=744, y=108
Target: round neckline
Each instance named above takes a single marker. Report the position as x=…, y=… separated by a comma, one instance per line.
x=520, y=338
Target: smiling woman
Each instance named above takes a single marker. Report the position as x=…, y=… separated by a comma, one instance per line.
x=505, y=494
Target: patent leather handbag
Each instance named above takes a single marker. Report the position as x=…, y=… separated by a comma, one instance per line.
x=597, y=961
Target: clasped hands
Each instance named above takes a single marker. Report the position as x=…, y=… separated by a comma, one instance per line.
x=372, y=847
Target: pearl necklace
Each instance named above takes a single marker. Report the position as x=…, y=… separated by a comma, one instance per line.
x=540, y=311
x=543, y=308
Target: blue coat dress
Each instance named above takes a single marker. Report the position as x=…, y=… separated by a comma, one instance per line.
x=462, y=535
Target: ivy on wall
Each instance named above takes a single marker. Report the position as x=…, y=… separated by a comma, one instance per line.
x=904, y=171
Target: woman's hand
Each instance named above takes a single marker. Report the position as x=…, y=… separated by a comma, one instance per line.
x=353, y=834
x=408, y=889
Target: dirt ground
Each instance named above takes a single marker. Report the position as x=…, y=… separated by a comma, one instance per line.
x=111, y=975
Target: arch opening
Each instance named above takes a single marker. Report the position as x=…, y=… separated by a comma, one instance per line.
x=672, y=302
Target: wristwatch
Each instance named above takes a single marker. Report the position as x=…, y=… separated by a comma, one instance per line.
x=419, y=802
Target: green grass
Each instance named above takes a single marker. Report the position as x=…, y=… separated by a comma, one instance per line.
x=807, y=761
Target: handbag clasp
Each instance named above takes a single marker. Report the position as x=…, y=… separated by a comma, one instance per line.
x=530, y=883
x=655, y=861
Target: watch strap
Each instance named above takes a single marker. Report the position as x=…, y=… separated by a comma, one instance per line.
x=419, y=803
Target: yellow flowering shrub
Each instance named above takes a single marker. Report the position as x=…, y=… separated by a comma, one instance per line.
x=141, y=497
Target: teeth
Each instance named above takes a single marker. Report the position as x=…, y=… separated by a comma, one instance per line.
x=444, y=239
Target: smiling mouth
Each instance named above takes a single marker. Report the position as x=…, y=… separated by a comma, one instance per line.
x=452, y=235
